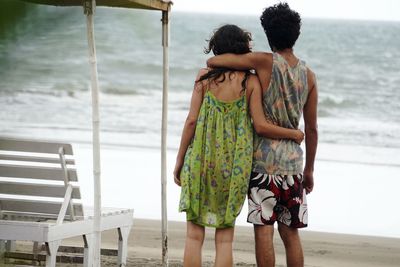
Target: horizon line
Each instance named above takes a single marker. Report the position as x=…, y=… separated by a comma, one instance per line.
x=305, y=17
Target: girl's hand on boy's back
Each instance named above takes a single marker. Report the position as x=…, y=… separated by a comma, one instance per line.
x=298, y=137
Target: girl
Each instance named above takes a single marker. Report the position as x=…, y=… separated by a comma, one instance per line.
x=214, y=160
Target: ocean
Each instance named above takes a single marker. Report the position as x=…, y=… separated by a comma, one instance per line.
x=45, y=79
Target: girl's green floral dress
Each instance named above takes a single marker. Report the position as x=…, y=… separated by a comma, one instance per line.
x=217, y=166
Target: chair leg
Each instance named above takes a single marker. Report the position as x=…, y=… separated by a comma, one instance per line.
x=51, y=253
x=123, y=233
x=2, y=248
x=10, y=246
x=35, y=253
x=87, y=250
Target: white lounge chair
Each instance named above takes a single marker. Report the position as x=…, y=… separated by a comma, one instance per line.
x=39, y=200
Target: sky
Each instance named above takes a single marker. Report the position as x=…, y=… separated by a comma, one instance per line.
x=339, y=9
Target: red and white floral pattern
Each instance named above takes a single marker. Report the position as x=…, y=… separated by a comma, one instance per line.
x=277, y=198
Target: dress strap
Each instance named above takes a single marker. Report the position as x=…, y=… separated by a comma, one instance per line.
x=244, y=81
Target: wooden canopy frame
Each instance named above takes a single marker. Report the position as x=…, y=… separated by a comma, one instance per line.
x=137, y=4
x=89, y=9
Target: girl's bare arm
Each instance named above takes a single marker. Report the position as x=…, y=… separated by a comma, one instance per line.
x=190, y=124
x=261, y=125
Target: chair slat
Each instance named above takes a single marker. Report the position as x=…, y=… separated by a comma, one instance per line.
x=38, y=206
x=34, y=172
x=41, y=190
x=34, y=159
x=34, y=217
x=33, y=146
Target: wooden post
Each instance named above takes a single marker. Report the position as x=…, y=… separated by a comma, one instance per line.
x=164, y=230
x=89, y=9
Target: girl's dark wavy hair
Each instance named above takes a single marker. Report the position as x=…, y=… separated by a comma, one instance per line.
x=228, y=38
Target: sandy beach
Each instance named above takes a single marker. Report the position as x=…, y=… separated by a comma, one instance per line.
x=320, y=249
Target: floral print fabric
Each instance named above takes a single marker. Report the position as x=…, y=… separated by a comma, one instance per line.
x=277, y=198
x=217, y=165
x=283, y=104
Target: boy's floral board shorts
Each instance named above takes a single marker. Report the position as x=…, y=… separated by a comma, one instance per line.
x=279, y=198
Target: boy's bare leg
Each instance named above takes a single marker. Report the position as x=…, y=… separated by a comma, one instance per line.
x=291, y=240
x=223, y=245
x=193, y=245
x=265, y=254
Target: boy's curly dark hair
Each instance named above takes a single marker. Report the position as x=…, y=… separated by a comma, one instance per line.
x=228, y=38
x=281, y=25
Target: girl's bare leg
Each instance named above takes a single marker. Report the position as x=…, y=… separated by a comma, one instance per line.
x=223, y=245
x=193, y=245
